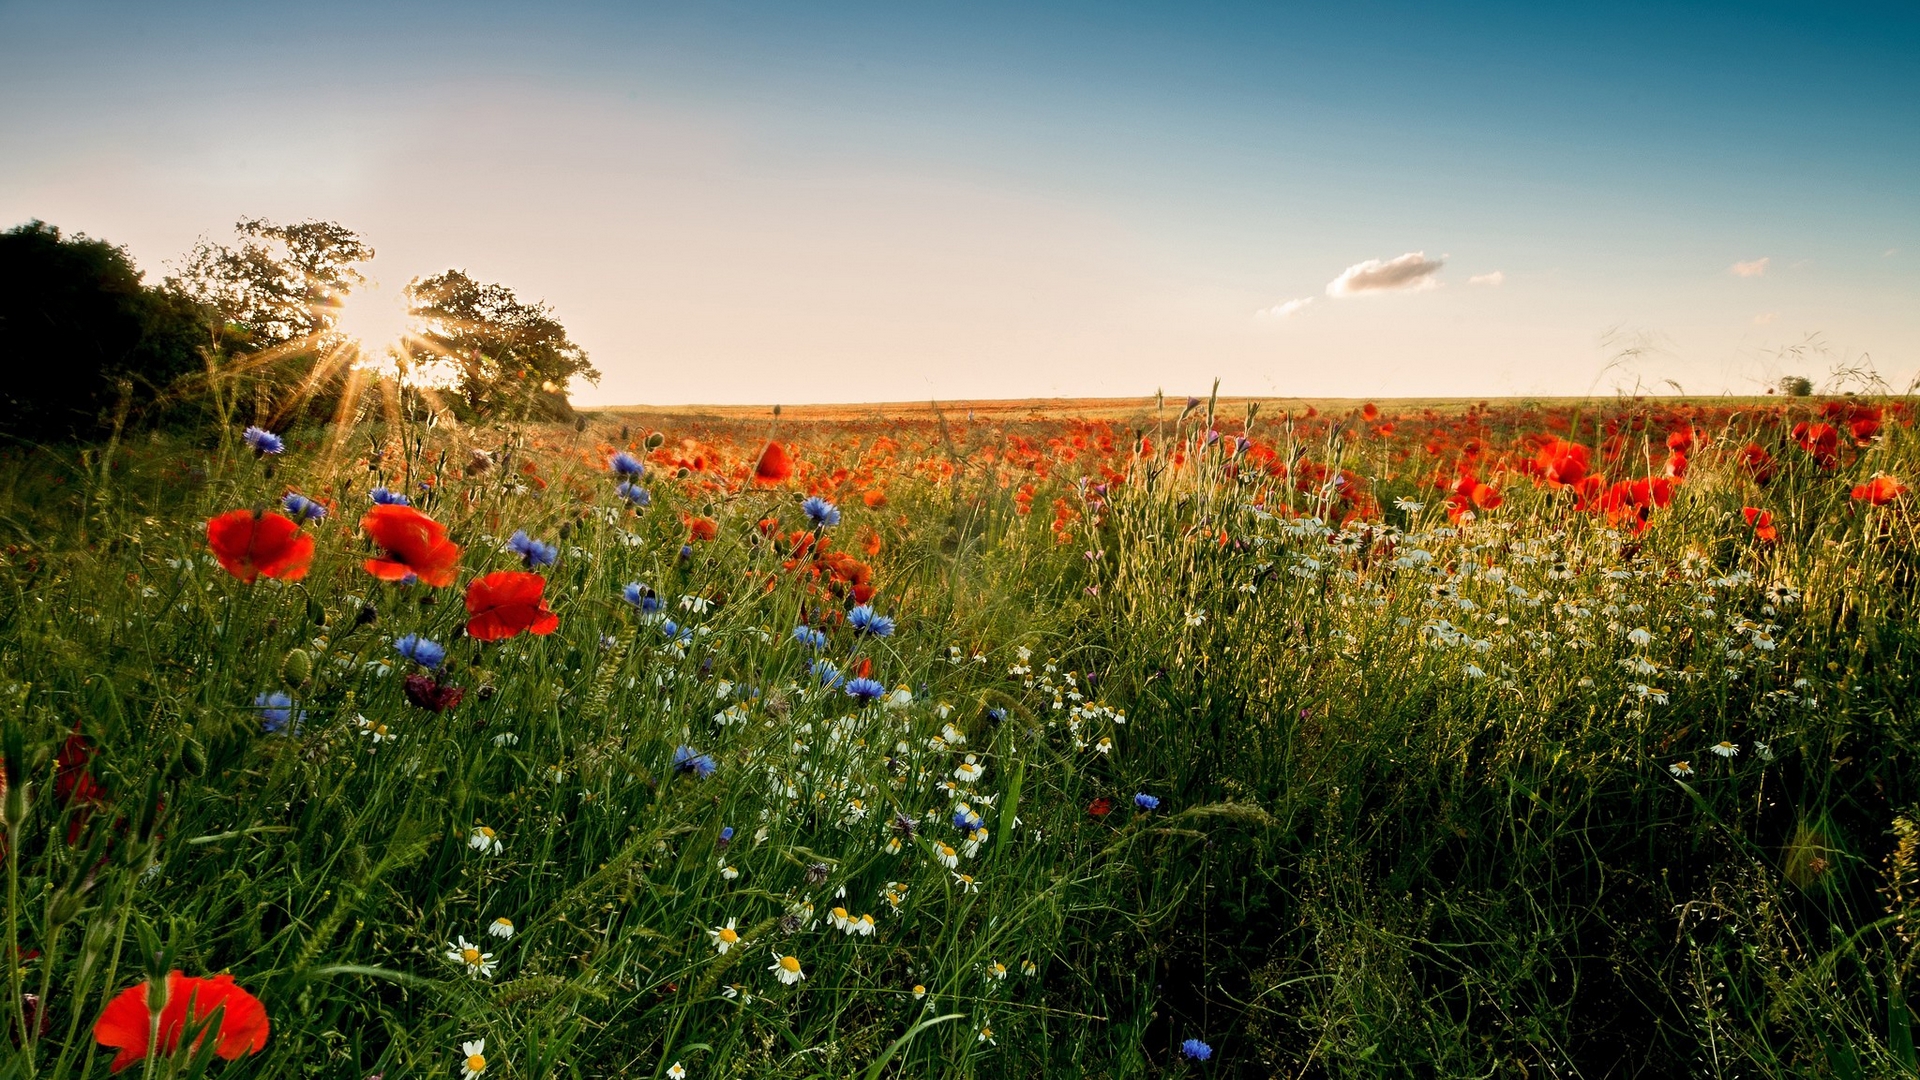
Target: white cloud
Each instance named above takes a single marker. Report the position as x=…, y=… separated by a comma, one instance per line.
x=1494, y=279
x=1412, y=272
x=1755, y=268
x=1765, y=318
x=1286, y=309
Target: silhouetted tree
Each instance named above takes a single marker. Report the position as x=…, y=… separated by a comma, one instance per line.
x=79, y=332
x=514, y=358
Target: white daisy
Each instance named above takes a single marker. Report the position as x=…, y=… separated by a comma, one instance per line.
x=501, y=928
x=485, y=841
x=473, y=1059
x=479, y=964
x=724, y=937
x=786, y=969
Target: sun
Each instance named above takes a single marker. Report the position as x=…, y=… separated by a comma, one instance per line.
x=375, y=322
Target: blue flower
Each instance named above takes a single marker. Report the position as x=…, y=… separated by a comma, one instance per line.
x=263, y=441
x=428, y=654
x=808, y=636
x=864, y=621
x=823, y=513
x=827, y=674
x=688, y=760
x=865, y=689
x=276, y=712
x=634, y=493
x=679, y=635
x=384, y=497
x=625, y=464
x=532, y=552
x=967, y=823
x=302, y=508
x=1146, y=802
x=1196, y=1049
x=641, y=597
x=726, y=836
x=996, y=715
x=686, y=551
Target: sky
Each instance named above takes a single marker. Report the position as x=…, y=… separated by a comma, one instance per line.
x=738, y=203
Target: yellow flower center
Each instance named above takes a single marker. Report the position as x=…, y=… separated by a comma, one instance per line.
x=476, y=1063
x=727, y=935
x=484, y=831
x=471, y=956
x=790, y=963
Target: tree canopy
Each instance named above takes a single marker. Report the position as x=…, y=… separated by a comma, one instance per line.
x=513, y=357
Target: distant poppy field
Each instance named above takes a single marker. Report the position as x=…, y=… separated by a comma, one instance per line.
x=1198, y=738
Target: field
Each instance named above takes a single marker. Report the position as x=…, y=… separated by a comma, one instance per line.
x=1082, y=739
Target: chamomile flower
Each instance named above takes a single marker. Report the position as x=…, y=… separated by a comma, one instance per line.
x=838, y=918
x=863, y=926
x=724, y=937
x=997, y=971
x=1029, y=969
x=786, y=969
x=969, y=770
x=985, y=1034
x=473, y=1059
x=948, y=857
x=1724, y=749
x=485, y=841
x=966, y=882
x=1680, y=768
x=501, y=928
x=479, y=964
x=919, y=991
x=377, y=732
x=676, y=1072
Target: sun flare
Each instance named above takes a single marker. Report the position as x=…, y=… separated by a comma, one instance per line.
x=376, y=323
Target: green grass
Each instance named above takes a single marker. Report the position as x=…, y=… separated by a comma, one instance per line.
x=1417, y=815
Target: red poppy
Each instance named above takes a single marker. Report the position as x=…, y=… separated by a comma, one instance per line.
x=1370, y=412
x=508, y=602
x=1880, y=490
x=416, y=545
x=774, y=466
x=1560, y=462
x=430, y=693
x=1758, y=463
x=1762, y=522
x=126, y=1023
x=249, y=544
x=1820, y=440
x=1100, y=807
x=702, y=528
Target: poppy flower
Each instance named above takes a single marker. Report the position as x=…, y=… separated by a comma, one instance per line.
x=1758, y=463
x=508, y=602
x=250, y=544
x=429, y=693
x=1880, y=490
x=1762, y=522
x=125, y=1024
x=702, y=528
x=1560, y=462
x=1820, y=440
x=774, y=466
x=416, y=546
x=1100, y=807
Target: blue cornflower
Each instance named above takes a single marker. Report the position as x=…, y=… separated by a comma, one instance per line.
x=302, y=508
x=808, y=636
x=996, y=715
x=679, y=635
x=864, y=621
x=686, y=551
x=827, y=674
x=688, y=760
x=641, y=597
x=625, y=464
x=823, y=513
x=276, y=712
x=263, y=441
x=967, y=823
x=428, y=654
x=865, y=689
x=1196, y=1049
x=532, y=552
x=634, y=493
x=1146, y=802
x=384, y=497
x=726, y=836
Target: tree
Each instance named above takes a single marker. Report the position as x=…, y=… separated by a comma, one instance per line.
x=80, y=334
x=513, y=358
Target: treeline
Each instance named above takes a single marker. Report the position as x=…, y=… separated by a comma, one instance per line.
x=252, y=331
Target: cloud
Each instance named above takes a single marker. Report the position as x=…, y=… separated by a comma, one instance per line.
x=1412, y=272
x=1764, y=319
x=1286, y=309
x=1494, y=279
x=1756, y=268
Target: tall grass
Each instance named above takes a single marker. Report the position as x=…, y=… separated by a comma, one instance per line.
x=1419, y=806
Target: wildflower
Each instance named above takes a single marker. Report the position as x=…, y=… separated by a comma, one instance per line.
x=1639, y=635
x=1100, y=807
x=531, y=551
x=506, y=603
x=808, y=636
x=416, y=546
x=786, y=969
x=724, y=937
x=1195, y=617
x=428, y=654
x=965, y=820
x=839, y=919
x=485, y=841
x=969, y=770
x=946, y=856
x=816, y=873
x=865, y=690
x=773, y=467
x=822, y=513
x=1146, y=802
x=726, y=837
x=473, y=1059
x=641, y=597
x=276, y=711
x=375, y=731
x=1762, y=522
x=702, y=528
x=864, y=621
x=127, y=1024
x=506, y=738
x=479, y=964
x=248, y=545
x=1029, y=969
x=1879, y=491
x=263, y=442
x=501, y=928
x=634, y=493
x=302, y=508
x=863, y=926
x=919, y=991
x=998, y=972
x=728, y=873
x=1104, y=745
x=985, y=1034
x=1725, y=749
x=688, y=760
x=431, y=694
x=1680, y=768
x=625, y=464
x=676, y=1072
x=383, y=497
x=966, y=882
x=1196, y=1049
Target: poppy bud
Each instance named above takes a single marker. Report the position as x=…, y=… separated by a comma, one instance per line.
x=193, y=758
x=63, y=907
x=655, y=440
x=297, y=668
x=316, y=611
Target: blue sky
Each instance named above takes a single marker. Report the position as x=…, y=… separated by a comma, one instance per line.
x=832, y=202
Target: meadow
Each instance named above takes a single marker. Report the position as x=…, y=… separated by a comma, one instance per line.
x=1203, y=738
